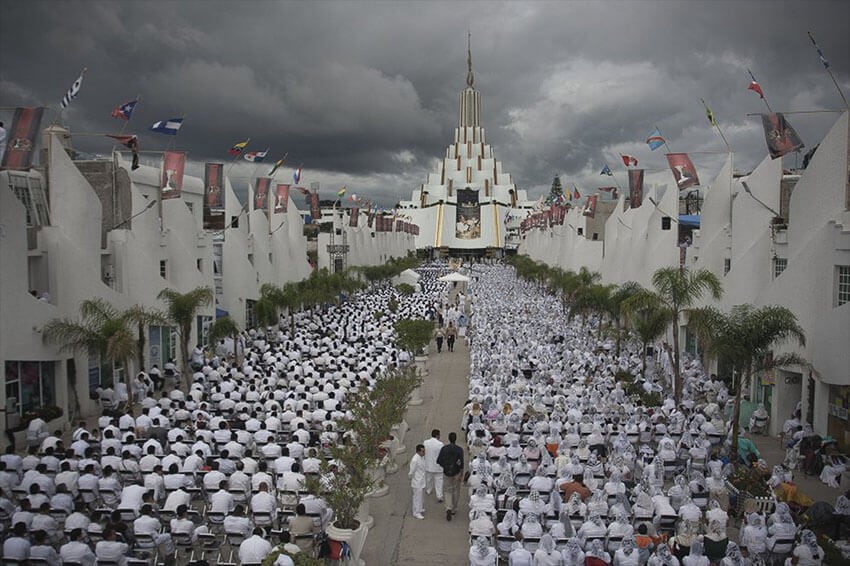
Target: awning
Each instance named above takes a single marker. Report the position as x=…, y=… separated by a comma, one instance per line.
x=221, y=313
x=454, y=276
x=690, y=220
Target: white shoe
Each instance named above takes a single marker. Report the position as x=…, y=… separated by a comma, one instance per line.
x=419, y=516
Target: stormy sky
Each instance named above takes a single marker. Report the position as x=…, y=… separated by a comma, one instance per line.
x=365, y=94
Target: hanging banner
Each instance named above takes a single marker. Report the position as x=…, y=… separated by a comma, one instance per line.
x=636, y=187
x=468, y=222
x=779, y=135
x=355, y=215
x=213, y=196
x=21, y=139
x=171, y=182
x=261, y=194
x=281, y=199
x=683, y=170
x=370, y=218
x=590, y=206
x=315, y=211
x=399, y=225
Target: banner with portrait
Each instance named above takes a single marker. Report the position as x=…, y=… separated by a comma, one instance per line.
x=590, y=206
x=214, y=196
x=315, y=211
x=781, y=138
x=683, y=170
x=355, y=215
x=171, y=182
x=22, y=137
x=261, y=194
x=281, y=199
x=468, y=220
x=635, y=187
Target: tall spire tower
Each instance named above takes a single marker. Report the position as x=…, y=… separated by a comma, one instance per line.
x=470, y=99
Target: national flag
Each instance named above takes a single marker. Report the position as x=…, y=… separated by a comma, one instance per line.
x=820, y=53
x=167, y=127
x=132, y=143
x=655, y=140
x=125, y=111
x=277, y=165
x=629, y=160
x=238, y=147
x=576, y=194
x=256, y=156
x=73, y=91
x=606, y=171
x=341, y=193
x=683, y=170
x=708, y=113
x=779, y=135
x=296, y=176
x=754, y=85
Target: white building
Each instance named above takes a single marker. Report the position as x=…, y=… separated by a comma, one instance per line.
x=773, y=239
x=348, y=246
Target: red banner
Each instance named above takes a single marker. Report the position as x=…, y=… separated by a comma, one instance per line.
x=171, y=182
x=590, y=206
x=20, y=143
x=214, y=196
x=683, y=170
x=355, y=216
x=636, y=187
x=315, y=211
x=261, y=194
x=281, y=199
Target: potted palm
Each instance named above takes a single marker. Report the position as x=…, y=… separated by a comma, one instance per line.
x=414, y=335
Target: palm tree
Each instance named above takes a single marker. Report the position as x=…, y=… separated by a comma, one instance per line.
x=614, y=307
x=745, y=337
x=143, y=317
x=590, y=299
x=102, y=330
x=220, y=329
x=182, y=308
x=648, y=322
x=676, y=291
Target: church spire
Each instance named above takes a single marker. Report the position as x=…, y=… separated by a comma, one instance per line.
x=470, y=78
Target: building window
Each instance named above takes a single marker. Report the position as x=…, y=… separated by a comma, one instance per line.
x=163, y=268
x=842, y=284
x=200, y=264
x=29, y=385
x=727, y=265
x=31, y=193
x=190, y=206
x=249, y=313
x=270, y=257
x=779, y=265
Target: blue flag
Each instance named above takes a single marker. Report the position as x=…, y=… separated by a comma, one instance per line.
x=655, y=140
x=606, y=170
x=167, y=127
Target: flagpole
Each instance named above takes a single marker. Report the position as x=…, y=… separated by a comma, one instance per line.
x=716, y=125
x=236, y=158
x=127, y=121
x=58, y=115
x=826, y=67
x=664, y=139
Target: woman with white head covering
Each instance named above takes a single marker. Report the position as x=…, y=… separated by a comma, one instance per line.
x=598, y=504
x=592, y=529
x=596, y=549
x=754, y=535
x=533, y=505
x=696, y=556
x=481, y=525
x=531, y=527
x=627, y=554
x=519, y=556
x=663, y=557
x=481, y=501
x=808, y=552
x=508, y=526
x=573, y=555
x=734, y=557
x=546, y=554
x=482, y=554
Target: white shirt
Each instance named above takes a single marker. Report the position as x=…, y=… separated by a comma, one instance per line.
x=77, y=552
x=221, y=502
x=417, y=472
x=17, y=548
x=254, y=549
x=432, y=450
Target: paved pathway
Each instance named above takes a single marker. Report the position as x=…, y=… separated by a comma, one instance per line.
x=396, y=537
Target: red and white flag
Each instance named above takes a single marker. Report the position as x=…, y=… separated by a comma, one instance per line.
x=754, y=85
x=629, y=160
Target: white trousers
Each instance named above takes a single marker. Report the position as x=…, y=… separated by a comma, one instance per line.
x=434, y=482
x=418, y=507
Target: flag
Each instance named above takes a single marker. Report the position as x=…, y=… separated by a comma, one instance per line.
x=820, y=53
x=173, y=165
x=629, y=160
x=779, y=135
x=167, y=127
x=754, y=85
x=576, y=194
x=296, y=176
x=654, y=140
x=23, y=135
x=708, y=113
x=238, y=147
x=256, y=156
x=132, y=143
x=606, y=171
x=683, y=170
x=635, y=187
x=277, y=165
x=341, y=193
x=125, y=111
x=73, y=91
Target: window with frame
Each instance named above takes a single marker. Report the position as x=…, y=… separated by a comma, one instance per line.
x=779, y=265
x=29, y=385
x=163, y=269
x=727, y=265
x=842, y=284
x=249, y=313
x=30, y=192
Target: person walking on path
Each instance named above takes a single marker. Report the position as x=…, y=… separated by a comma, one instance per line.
x=439, y=336
x=417, y=480
x=451, y=336
x=434, y=473
x=451, y=460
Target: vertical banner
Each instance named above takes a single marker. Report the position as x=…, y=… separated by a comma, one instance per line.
x=779, y=135
x=355, y=215
x=370, y=218
x=468, y=221
x=171, y=182
x=20, y=143
x=315, y=211
x=590, y=206
x=636, y=187
x=399, y=225
x=261, y=194
x=213, y=196
x=281, y=199
x=683, y=170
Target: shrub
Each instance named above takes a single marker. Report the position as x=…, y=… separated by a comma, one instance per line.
x=405, y=288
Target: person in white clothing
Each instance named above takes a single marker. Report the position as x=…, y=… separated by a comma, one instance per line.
x=75, y=550
x=433, y=471
x=417, y=480
x=254, y=549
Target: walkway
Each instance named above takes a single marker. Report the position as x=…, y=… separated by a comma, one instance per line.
x=396, y=537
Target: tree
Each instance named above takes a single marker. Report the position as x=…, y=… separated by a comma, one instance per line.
x=413, y=334
x=676, y=291
x=143, y=317
x=222, y=328
x=557, y=191
x=648, y=322
x=103, y=330
x=182, y=309
x=745, y=337
x=614, y=307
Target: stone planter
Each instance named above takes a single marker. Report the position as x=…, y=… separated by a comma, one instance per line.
x=363, y=515
x=422, y=371
x=399, y=431
x=381, y=489
x=355, y=539
x=388, y=463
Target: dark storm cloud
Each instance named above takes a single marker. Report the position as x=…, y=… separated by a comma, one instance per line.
x=365, y=94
